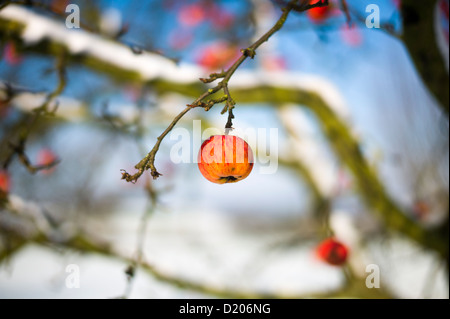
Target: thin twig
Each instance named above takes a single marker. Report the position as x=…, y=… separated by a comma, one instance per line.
x=303, y=5
x=148, y=161
x=142, y=231
x=43, y=109
x=346, y=11
x=213, y=76
x=24, y=159
x=229, y=105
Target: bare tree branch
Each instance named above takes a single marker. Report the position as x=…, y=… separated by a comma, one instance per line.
x=148, y=162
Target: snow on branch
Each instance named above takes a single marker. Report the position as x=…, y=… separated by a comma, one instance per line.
x=151, y=66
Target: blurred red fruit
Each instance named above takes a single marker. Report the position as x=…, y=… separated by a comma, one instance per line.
x=332, y=252
x=421, y=209
x=217, y=55
x=223, y=20
x=319, y=14
x=132, y=92
x=59, y=6
x=273, y=63
x=11, y=55
x=219, y=17
x=5, y=184
x=344, y=181
x=191, y=15
x=180, y=39
x=225, y=159
x=351, y=35
x=46, y=157
x=397, y=3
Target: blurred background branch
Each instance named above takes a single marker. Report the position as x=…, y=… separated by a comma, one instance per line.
x=419, y=22
x=100, y=100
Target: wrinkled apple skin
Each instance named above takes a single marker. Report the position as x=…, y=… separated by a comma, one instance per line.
x=225, y=159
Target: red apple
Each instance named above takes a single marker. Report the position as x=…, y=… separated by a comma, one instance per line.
x=332, y=252
x=5, y=184
x=225, y=159
x=319, y=14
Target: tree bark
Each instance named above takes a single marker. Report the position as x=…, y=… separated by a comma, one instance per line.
x=420, y=40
